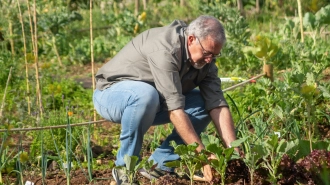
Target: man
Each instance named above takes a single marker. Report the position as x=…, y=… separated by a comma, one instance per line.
x=152, y=81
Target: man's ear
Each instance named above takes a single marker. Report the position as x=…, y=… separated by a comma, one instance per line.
x=191, y=38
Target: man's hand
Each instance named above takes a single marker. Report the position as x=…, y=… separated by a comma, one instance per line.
x=207, y=172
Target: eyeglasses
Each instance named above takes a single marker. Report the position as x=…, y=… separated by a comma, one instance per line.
x=208, y=54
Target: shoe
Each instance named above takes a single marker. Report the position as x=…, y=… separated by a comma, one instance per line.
x=156, y=173
x=121, y=177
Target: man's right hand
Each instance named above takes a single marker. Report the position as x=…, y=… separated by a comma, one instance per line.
x=207, y=172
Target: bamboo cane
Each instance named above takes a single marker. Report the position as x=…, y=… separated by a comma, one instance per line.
x=34, y=34
x=92, y=47
x=301, y=21
x=51, y=127
x=56, y=51
x=25, y=59
x=4, y=94
x=11, y=40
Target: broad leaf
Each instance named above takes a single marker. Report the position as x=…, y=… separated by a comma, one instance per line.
x=309, y=20
x=325, y=91
x=238, y=142
x=130, y=162
x=209, y=139
x=215, y=149
x=173, y=164
x=323, y=16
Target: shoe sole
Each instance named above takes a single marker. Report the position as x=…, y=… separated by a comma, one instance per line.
x=144, y=173
x=114, y=175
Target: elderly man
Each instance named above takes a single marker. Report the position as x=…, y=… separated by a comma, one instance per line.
x=152, y=81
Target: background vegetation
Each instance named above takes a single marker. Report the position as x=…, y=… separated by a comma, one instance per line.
x=46, y=54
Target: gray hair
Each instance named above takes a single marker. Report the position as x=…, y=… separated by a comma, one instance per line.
x=205, y=26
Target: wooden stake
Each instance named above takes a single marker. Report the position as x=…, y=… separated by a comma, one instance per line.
x=4, y=94
x=137, y=5
x=34, y=37
x=11, y=40
x=38, y=90
x=56, y=51
x=301, y=21
x=25, y=59
x=92, y=46
x=268, y=70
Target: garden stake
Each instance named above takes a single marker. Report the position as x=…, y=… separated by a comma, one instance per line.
x=268, y=72
x=4, y=94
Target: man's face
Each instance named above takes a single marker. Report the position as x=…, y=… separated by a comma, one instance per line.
x=202, y=52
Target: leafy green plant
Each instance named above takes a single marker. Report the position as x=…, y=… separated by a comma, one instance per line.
x=252, y=158
x=275, y=149
x=189, y=158
x=222, y=157
x=317, y=23
x=131, y=167
x=263, y=48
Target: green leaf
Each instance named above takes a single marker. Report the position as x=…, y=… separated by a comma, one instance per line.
x=325, y=91
x=273, y=142
x=323, y=16
x=279, y=148
x=228, y=152
x=173, y=164
x=309, y=20
x=130, y=162
x=278, y=111
x=209, y=139
x=310, y=79
x=215, y=149
x=238, y=142
x=258, y=151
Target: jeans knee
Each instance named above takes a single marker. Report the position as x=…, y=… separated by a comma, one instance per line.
x=150, y=98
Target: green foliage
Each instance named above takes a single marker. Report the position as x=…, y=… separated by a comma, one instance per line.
x=131, y=167
x=189, y=158
x=7, y=61
x=275, y=149
x=263, y=48
x=59, y=136
x=222, y=157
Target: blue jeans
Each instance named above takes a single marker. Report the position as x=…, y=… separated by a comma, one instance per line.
x=136, y=106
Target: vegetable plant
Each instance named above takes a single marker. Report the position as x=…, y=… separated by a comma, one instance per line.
x=222, y=157
x=131, y=166
x=189, y=158
x=275, y=149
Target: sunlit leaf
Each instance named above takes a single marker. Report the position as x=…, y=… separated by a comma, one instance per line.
x=130, y=162
x=323, y=15
x=309, y=20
